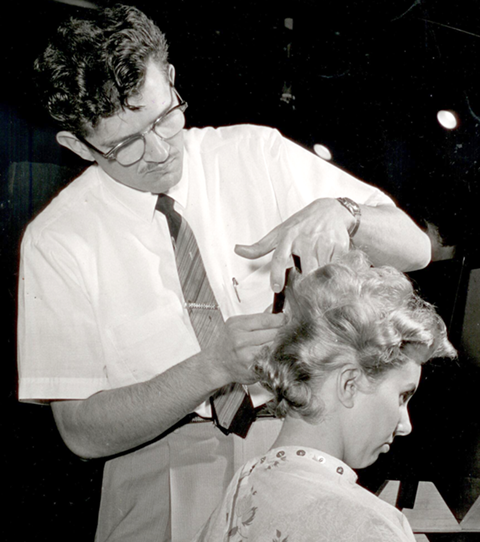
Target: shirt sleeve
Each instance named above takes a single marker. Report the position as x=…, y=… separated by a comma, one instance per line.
x=59, y=348
x=299, y=177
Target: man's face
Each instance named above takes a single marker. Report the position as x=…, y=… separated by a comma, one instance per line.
x=161, y=166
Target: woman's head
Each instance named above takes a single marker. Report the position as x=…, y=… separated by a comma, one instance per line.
x=348, y=313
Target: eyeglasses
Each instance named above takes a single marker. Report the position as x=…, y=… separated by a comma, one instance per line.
x=131, y=150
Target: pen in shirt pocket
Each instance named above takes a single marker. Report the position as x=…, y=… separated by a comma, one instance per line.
x=235, y=287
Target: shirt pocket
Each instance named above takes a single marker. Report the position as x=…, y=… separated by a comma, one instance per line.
x=254, y=292
x=152, y=343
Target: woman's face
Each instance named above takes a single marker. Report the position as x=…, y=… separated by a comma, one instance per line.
x=379, y=414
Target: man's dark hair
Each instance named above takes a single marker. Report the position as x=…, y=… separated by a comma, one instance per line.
x=93, y=66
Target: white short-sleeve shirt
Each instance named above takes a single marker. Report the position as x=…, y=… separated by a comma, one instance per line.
x=100, y=303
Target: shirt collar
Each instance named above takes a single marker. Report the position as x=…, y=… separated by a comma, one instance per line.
x=317, y=457
x=142, y=204
x=179, y=192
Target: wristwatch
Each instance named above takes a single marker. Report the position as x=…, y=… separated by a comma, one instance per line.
x=354, y=209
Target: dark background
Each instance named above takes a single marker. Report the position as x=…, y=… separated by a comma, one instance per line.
x=364, y=78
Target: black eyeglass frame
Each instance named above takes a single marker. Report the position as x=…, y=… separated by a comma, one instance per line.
x=110, y=155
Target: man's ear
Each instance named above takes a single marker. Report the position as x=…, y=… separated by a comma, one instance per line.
x=70, y=141
x=171, y=74
x=348, y=383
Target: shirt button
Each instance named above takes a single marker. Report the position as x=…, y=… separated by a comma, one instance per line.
x=340, y=470
x=300, y=452
x=280, y=454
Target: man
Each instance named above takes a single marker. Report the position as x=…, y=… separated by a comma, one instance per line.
x=105, y=335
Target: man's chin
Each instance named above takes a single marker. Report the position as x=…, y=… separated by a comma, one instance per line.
x=164, y=182
x=163, y=186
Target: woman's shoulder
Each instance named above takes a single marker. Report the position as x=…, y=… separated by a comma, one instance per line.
x=360, y=515
x=295, y=494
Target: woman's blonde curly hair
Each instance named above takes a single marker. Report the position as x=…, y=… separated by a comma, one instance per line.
x=347, y=312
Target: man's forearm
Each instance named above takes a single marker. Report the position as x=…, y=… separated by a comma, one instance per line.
x=113, y=421
x=390, y=237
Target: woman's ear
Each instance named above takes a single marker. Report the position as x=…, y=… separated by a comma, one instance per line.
x=70, y=141
x=348, y=382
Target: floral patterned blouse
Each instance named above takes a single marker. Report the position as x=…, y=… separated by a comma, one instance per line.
x=298, y=494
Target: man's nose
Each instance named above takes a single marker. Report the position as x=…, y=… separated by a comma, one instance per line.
x=404, y=426
x=156, y=149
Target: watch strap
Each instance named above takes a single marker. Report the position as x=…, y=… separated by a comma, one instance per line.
x=353, y=208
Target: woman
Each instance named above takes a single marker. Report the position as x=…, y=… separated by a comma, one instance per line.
x=342, y=373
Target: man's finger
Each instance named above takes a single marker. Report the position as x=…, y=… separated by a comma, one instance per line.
x=332, y=248
x=340, y=249
x=324, y=253
x=281, y=261
x=258, y=321
x=309, y=262
x=264, y=246
x=257, y=338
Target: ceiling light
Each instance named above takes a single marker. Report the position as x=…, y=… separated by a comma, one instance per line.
x=447, y=119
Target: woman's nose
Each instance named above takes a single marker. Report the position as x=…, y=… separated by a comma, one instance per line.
x=156, y=149
x=404, y=426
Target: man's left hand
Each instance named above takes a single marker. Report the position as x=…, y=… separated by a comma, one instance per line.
x=317, y=234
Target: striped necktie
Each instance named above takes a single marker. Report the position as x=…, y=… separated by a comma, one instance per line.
x=232, y=408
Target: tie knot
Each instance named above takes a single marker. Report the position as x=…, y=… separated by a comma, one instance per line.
x=165, y=206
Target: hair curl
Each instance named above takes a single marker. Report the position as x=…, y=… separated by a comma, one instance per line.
x=92, y=67
x=347, y=312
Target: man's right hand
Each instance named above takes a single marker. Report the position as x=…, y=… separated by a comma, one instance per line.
x=245, y=336
x=117, y=420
